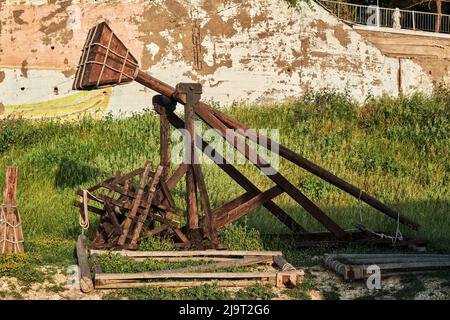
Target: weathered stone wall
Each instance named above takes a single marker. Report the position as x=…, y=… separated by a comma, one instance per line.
x=252, y=51
x=430, y=51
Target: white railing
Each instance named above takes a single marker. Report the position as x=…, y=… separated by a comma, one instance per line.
x=386, y=17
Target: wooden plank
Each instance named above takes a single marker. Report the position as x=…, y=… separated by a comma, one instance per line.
x=411, y=265
x=368, y=261
x=193, y=253
x=209, y=229
x=129, y=206
x=92, y=209
x=184, y=259
x=185, y=275
x=157, y=230
x=144, y=215
x=182, y=237
x=136, y=203
x=192, y=92
x=164, y=134
x=176, y=176
x=387, y=255
x=184, y=284
x=236, y=175
x=86, y=283
x=246, y=261
x=222, y=210
x=191, y=200
x=248, y=206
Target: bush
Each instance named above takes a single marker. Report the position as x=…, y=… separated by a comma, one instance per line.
x=241, y=237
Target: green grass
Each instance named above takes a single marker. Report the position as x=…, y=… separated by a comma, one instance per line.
x=395, y=149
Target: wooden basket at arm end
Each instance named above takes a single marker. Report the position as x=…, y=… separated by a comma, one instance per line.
x=105, y=61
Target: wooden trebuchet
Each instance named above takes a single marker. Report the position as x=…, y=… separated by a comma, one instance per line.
x=105, y=62
x=11, y=234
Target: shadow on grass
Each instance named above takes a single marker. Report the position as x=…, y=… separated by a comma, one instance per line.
x=433, y=217
x=72, y=173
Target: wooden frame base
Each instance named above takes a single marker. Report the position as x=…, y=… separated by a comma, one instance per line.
x=281, y=276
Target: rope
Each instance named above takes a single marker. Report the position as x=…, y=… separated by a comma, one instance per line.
x=6, y=223
x=84, y=217
x=288, y=267
x=398, y=234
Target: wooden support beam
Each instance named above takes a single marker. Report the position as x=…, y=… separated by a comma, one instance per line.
x=310, y=167
x=136, y=204
x=190, y=253
x=113, y=218
x=90, y=208
x=144, y=215
x=248, y=206
x=227, y=207
x=86, y=283
x=273, y=175
x=236, y=175
x=176, y=176
x=164, y=134
x=191, y=93
x=208, y=217
x=168, y=91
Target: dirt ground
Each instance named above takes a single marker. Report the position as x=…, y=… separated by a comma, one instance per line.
x=414, y=287
x=63, y=285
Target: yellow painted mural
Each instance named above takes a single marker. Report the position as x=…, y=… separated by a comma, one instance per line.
x=85, y=102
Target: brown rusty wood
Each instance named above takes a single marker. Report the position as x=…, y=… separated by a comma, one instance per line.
x=248, y=206
x=115, y=223
x=157, y=230
x=11, y=229
x=191, y=93
x=129, y=205
x=144, y=215
x=208, y=218
x=136, y=203
x=182, y=237
x=129, y=194
x=176, y=176
x=236, y=175
x=166, y=193
x=223, y=209
x=92, y=209
x=164, y=135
